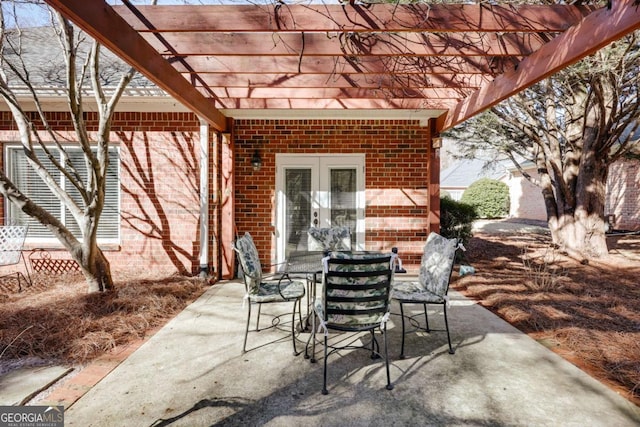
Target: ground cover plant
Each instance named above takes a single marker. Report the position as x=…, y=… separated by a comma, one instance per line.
x=589, y=313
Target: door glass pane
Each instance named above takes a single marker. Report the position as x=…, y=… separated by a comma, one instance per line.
x=343, y=200
x=297, y=209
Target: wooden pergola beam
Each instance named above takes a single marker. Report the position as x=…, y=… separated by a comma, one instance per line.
x=344, y=80
x=330, y=65
x=593, y=33
x=441, y=105
x=332, y=44
x=338, y=93
x=358, y=18
x=101, y=22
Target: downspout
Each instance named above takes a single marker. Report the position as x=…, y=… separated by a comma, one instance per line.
x=204, y=199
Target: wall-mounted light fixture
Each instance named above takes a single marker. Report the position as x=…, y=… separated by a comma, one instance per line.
x=256, y=161
x=436, y=142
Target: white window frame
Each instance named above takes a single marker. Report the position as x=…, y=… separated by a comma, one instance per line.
x=9, y=155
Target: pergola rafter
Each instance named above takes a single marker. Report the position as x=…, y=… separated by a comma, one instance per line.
x=448, y=61
x=333, y=65
x=354, y=44
x=345, y=80
x=358, y=18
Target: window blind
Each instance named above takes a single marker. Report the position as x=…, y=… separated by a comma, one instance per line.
x=28, y=181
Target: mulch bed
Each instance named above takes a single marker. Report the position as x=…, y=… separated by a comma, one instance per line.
x=589, y=314
x=56, y=320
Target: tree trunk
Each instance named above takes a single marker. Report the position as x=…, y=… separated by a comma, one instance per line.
x=580, y=230
x=97, y=272
x=580, y=235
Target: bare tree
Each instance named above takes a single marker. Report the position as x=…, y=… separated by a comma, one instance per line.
x=572, y=126
x=87, y=177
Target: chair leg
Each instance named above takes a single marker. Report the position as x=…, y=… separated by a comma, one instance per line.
x=246, y=331
x=386, y=359
x=26, y=268
x=446, y=324
x=403, y=331
x=258, y=318
x=373, y=346
x=293, y=325
x=313, y=337
x=324, y=381
x=302, y=326
x=426, y=318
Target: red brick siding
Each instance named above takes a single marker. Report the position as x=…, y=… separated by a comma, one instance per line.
x=159, y=173
x=623, y=194
x=396, y=177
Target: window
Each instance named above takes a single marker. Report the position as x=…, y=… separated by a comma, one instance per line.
x=26, y=179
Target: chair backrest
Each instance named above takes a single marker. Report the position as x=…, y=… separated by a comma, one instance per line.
x=11, y=242
x=356, y=290
x=249, y=262
x=437, y=263
x=329, y=239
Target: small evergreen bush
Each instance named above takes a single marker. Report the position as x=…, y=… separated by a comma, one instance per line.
x=456, y=219
x=489, y=196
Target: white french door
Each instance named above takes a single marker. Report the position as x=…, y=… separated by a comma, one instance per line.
x=319, y=191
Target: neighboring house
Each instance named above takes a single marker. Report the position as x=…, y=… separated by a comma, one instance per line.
x=455, y=179
x=622, y=207
x=622, y=204
x=525, y=199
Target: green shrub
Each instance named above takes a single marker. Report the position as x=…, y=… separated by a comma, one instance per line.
x=456, y=219
x=489, y=196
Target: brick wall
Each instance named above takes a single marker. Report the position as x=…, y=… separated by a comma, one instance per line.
x=160, y=205
x=623, y=194
x=396, y=177
x=159, y=173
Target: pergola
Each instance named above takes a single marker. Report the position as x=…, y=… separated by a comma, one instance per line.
x=442, y=62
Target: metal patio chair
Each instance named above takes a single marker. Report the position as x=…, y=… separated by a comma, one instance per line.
x=259, y=291
x=355, y=298
x=432, y=286
x=12, y=239
x=329, y=239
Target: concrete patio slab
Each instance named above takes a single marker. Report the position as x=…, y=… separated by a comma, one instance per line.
x=192, y=373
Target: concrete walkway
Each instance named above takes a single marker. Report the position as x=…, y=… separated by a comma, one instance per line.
x=499, y=226
x=192, y=373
